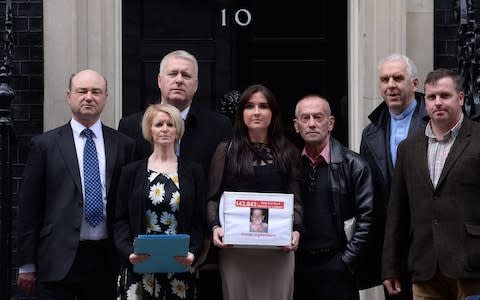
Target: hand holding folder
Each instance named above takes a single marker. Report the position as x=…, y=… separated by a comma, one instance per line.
x=162, y=249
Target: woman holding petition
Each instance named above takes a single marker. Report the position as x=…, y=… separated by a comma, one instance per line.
x=258, y=159
x=161, y=194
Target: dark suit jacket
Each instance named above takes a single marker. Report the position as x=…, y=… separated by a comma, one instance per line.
x=375, y=148
x=375, y=145
x=204, y=130
x=51, y=202
x=438, y=226
x=133, y=194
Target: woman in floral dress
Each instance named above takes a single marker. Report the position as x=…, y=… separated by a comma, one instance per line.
x=161, y=194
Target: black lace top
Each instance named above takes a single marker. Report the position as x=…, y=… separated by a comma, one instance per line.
x=267, y=178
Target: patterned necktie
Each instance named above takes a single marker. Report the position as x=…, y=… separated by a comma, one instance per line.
x=91, y=181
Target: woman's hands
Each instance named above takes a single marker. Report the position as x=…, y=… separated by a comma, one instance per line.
x=218, y=237
x=135, y=258
x=295, y=240
x=186, y=261
x=218, y=240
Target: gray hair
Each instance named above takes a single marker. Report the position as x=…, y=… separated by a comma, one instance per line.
x=316, y=96
x=411, y=68
x=182, y=54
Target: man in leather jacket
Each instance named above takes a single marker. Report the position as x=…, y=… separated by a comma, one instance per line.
x=401, y=114
x=336, y=187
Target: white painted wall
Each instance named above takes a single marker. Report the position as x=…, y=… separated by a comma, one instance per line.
x=81, y=34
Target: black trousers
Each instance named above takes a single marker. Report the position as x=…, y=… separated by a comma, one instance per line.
x=323, y=276
x=209, y=280
x=92, y=276
x=209, y=285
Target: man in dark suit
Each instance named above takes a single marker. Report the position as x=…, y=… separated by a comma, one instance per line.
x=433, y=213
x=67, y=200
x=401, y=114
x=204, y=130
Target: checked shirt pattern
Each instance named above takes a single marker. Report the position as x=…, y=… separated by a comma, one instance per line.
x=91, y=180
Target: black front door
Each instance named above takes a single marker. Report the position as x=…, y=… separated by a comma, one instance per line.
x=292, y=48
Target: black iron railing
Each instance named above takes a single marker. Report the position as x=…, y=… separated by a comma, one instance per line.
x=468, y=55
x=7, y=141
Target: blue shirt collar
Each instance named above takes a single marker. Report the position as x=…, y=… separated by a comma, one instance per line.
x=406, y=112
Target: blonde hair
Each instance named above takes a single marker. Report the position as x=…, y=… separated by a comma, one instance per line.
x=170, y=110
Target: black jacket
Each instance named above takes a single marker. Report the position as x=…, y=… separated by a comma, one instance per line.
x=351, y=191
x=375, y=149
x=51, y=204
x=130, y=210
x=375, y=144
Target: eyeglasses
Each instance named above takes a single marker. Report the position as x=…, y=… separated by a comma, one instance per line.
x=317, y=118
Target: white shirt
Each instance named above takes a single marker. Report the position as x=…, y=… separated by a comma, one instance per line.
x=87, y=232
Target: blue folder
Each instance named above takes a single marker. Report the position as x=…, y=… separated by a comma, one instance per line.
x=162, y=248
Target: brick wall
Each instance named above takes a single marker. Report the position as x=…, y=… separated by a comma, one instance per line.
x=27, y=81
x=445, y=32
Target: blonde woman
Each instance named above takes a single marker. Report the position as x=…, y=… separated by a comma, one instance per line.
x=161, y=194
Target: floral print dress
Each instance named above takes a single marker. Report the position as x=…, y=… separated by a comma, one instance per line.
x=161, y=215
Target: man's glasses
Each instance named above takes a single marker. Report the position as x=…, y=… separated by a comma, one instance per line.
x=317, y=118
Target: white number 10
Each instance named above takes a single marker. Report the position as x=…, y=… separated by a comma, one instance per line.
x=244, y=13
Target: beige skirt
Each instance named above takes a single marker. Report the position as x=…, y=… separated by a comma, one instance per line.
x=251, y=274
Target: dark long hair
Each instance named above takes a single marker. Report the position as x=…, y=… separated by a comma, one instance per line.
x=241, y=153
